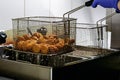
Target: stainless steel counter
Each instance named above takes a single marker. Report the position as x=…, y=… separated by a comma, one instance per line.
x=25, y=70
x=73, y=65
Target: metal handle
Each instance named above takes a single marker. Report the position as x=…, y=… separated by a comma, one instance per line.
x=69, y=12
x=73, y=10
x=100, y=33
x=88, y=3
x=29, y=31
x=67, y=32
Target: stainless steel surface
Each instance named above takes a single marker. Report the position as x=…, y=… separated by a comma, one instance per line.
x=114, y=28
x=87, y=53
x=25, y=70
x=53, y=60
x=115, y=32
x=80, y=53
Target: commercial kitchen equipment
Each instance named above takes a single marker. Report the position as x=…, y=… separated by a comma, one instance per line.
x=64, y=64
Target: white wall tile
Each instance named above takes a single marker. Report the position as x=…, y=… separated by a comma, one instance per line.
x=37, y=7
x=59, y=7
x=15, y=8
x=10, y=9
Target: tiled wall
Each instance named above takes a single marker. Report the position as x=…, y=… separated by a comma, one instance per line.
x=19, y=8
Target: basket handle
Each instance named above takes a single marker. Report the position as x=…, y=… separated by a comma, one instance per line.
x=29, y=31
x=89, y=3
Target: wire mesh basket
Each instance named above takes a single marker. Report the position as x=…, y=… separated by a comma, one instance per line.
x=87, y=35
x=53, y=31
x=53, y=25
x=63, y=29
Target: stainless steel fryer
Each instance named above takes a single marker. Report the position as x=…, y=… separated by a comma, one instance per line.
x=46, y=68
x=42, y=67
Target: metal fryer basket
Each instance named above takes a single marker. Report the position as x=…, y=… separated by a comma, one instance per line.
x=87, y=35
x=53, y=25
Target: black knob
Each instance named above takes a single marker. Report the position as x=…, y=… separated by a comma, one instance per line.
x=42, y=30
x=3, y=37
x=89, y=3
